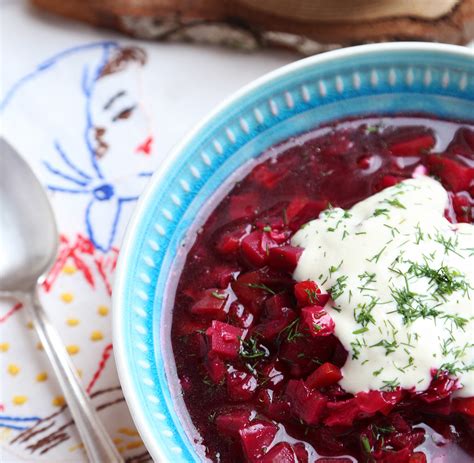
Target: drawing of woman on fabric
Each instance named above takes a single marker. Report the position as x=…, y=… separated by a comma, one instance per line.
x=89, y=138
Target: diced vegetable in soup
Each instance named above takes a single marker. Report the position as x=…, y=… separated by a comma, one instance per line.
x=325, y=312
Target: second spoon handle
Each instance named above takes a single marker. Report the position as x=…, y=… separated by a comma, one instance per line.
x=97, y=443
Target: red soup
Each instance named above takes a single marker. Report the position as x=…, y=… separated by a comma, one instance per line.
x=257, y=353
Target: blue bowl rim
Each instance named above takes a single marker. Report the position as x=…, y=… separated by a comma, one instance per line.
x=119, y=306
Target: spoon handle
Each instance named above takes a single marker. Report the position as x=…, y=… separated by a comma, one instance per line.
x=98, y=445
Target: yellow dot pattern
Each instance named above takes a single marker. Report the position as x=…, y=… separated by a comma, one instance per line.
x=76, y=447
x=103, y=310
x=72, y=322
x=134, y=445
x=40, y=377
x=4, y=346
x=39, y=346
x=67, y=297
x=72, y=349
x=13, y=369
x=58, y=401
x=19, y=399
x=97, y=335
x=29, y=325
x=69, y=269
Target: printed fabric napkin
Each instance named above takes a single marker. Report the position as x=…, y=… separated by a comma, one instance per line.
x=92, y=148
x=93, y=117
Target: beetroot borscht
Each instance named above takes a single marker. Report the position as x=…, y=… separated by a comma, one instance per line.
x=325, y=310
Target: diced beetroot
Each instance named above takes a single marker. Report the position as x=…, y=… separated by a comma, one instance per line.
x=323, y=376
x=462, y=143
x=442, y=386
x=280, y=453
x=266, y=177
x=253, y=288
x=268, y=219
x=417, y=457
x=301, y=453
x=228, y=241
x=250, y=290
x=413, y=147
x=399, y=423
x=279, y=237
x=241, y=385
x=389, y=456
x=225, y=339
x=240, y=316
x=326, y=440
x=243, y=205
x=464, y=405
x=309, y=293
x=342, y=413
x=453, y=175
x=295, y=206
x=215, y=367
x=378, y=401
x=272, y=374
x=409, y=440
x=364, y=404
x=211, y=305
x=186, y=383
x=310, y=211
x=439, y=407
x=316, y=321
x=276, y=408
x=223, y=275
x=306, y=404
x=334, y=460
x=277, y=305
x=284, y=257
x=301, y=352
x=256, y=438
x=387, y=181
x=253, y=250
x=270, y=329
x=462, y=207
x=364, y=162
x=187, y=326
x=340, y=355
x=230, y=423
x=469, y=137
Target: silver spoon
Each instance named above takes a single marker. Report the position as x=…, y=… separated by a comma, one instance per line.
x=28, y=247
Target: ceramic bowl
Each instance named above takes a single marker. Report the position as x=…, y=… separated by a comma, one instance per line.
x=372, y=79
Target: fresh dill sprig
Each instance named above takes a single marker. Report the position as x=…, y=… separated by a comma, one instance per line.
x=262, y=287
x=251, y=349
x=337, y=289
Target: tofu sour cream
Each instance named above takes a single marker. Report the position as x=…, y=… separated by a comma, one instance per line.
x=401, y=278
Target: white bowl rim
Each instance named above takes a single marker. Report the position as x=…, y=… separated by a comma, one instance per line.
x=132, y=400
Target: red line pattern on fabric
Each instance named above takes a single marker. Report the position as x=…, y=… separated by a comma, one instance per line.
x=102, y=364
x=14, y=309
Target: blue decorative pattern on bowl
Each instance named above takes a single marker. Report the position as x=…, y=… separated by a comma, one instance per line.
x=371, y=79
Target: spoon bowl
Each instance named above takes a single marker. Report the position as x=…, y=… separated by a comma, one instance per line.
x=28, y=234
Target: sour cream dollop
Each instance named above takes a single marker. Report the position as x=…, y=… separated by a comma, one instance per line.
x=401, y=278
